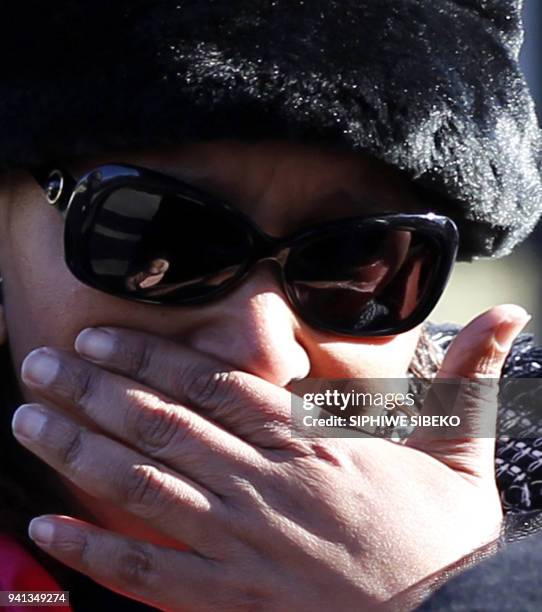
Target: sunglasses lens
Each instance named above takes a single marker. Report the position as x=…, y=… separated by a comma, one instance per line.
x=166, y=247
x=364, y=279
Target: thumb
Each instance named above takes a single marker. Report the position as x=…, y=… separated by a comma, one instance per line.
x=466, y=387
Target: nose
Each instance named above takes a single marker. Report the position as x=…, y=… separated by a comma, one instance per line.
x=254, y=329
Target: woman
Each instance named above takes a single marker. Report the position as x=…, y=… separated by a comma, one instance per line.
x=165, y=418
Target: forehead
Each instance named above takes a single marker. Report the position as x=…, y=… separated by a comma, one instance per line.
x=280, y=184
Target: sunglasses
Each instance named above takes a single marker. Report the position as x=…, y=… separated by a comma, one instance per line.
x=144, y=236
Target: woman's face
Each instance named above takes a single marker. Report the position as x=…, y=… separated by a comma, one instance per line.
x=283, y=188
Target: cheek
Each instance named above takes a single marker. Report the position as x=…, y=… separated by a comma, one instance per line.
x=380, y=358
x=50, y=311
x=44, y=304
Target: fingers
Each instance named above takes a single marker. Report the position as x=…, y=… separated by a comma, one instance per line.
x=466, y=387
x=481, y=347
x=163, y=577
x=160, y=429
x=246, y=405
x=108, y=470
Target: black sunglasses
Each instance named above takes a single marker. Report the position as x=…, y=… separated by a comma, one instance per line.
x=144, y=236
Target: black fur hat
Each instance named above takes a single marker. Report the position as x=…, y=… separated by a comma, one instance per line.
x=432, y=87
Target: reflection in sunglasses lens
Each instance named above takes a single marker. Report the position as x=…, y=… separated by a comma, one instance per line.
x=150, y=245
x=362, y=279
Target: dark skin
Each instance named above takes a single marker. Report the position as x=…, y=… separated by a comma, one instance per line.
x=160, y=424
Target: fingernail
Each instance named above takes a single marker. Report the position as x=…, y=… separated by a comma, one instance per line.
x=39, y=368
x=95, y=344
x=509, y=328
x=28, y=421
x=42, y=531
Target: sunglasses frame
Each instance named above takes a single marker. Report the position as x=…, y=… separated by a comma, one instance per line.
x=78, y=200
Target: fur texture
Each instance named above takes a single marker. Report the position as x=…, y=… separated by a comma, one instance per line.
x=431, y=87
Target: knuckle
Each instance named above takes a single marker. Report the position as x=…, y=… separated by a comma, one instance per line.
x=155, y=429
x=331, y=454
x=490, y=364
x=71, y=449
x=211, y=389
x=139, y=361
x=86, y=383
x=141, y=489
x=75, y=543
x=136, y=566
x=244, y=488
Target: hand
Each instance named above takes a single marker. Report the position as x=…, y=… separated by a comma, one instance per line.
x=204, y=454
